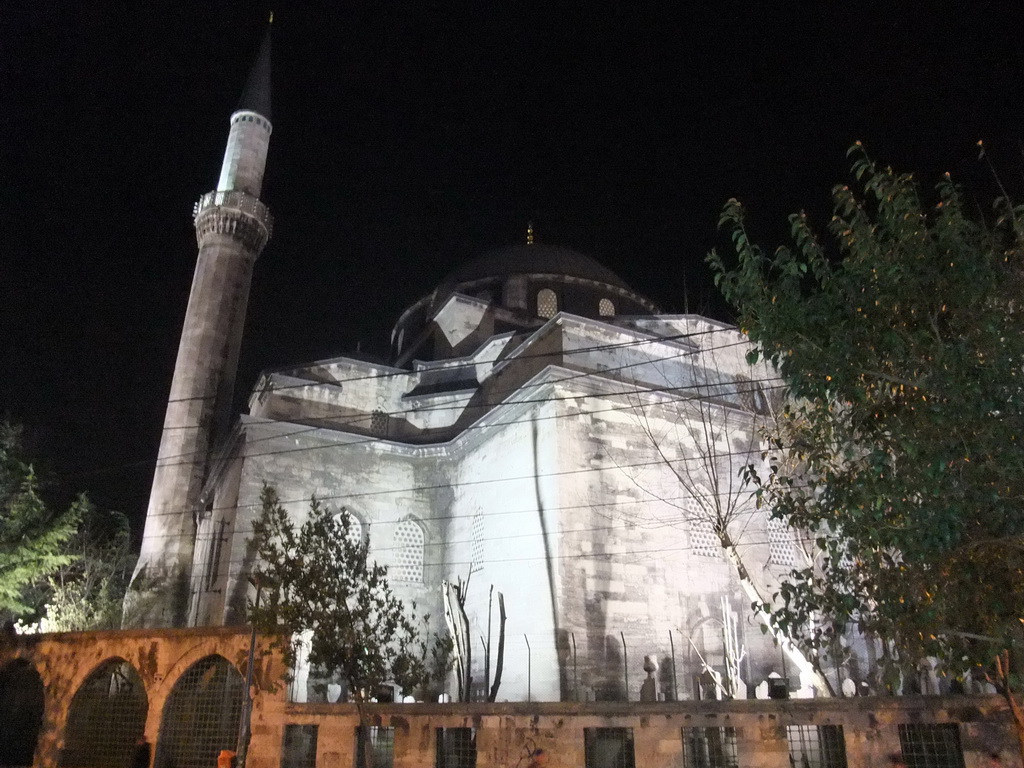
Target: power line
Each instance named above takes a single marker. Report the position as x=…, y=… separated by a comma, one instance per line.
x=751, y=386
x=473, y=364
x=347, y=497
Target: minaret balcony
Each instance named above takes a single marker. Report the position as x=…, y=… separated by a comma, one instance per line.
x=237, y=200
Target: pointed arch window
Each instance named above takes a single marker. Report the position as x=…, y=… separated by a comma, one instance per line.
x=358, y=530
x=409, y=545
x=547, y=303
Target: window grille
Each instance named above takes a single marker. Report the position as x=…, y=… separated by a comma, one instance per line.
x=477, y=562
x=379, y=423
x=21, y=712
x=106, y=718
x=456, y=748
x=299, y=747
x=356, y=530
x=382, y=744
x=605, y=308
x=780, y=544
x=608, y=748
x=704, y=542
x=816, y=746
x=709, y=747
x=931, y=745
x=408, y=552
x=547, y=303
x=201, y=715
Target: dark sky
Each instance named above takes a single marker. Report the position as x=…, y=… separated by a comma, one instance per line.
x=411, y=136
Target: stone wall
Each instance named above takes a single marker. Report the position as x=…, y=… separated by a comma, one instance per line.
x=503, y=732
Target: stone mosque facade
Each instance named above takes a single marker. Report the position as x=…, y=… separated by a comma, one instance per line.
x=539, y=428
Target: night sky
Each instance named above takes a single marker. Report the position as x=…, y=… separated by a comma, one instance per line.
x=409, y=137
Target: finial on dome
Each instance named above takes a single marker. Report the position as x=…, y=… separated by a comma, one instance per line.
x=529, y=233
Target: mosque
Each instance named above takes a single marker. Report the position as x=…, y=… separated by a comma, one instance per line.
x=539, y=428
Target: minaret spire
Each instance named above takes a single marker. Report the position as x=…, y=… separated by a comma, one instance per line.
x=232, y=227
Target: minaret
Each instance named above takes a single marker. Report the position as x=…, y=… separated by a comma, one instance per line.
x=232, y=226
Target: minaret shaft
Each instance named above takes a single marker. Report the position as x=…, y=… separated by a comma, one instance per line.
x=232, y=227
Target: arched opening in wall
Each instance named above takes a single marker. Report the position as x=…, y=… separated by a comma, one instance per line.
x=409, y=543
x=606, y=308
x=106, y=718
x=358, y=529
x=201, y=715
x=547, y=303
x=21, y=713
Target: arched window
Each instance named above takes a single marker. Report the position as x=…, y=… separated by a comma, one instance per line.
x=106, y=718
x=201, y=715
x=547, y=303
x=21, y=712
x=408, y=552
x=605, y=308
x=357, y=529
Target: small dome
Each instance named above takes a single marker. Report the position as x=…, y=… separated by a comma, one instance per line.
x=533, y=259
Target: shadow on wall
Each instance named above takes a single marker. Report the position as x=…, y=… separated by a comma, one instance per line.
x=21, y=713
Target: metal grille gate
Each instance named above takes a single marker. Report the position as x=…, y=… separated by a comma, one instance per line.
x=106, y=718
x=201, y=715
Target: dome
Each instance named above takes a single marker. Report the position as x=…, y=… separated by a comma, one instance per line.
x=533, y=259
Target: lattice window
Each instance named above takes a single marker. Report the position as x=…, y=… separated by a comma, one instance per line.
x=608, y=748
x=816, y=746
x=408, y=552
x=456, y=748
x=299, y=747
x=201, y=715
x=381, y=742
x=21, y=712
x=605, y=308
x=547, y=303
x=477, y=563
x=780, y=543
x=356, y=529
x=106, y=718
x=710, y=747
x=379, y=423
x=704, y=542
x=931, y=745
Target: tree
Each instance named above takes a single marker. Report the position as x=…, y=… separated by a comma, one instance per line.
x=88, y=592
x=705, y=439
x=323, y=584
x=900, y=341
x=33, y=538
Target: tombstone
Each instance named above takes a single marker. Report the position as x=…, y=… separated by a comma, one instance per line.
x=848, y=687
x=761, y=690
x=649, y=689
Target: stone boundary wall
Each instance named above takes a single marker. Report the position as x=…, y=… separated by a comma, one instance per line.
x=504, y=731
